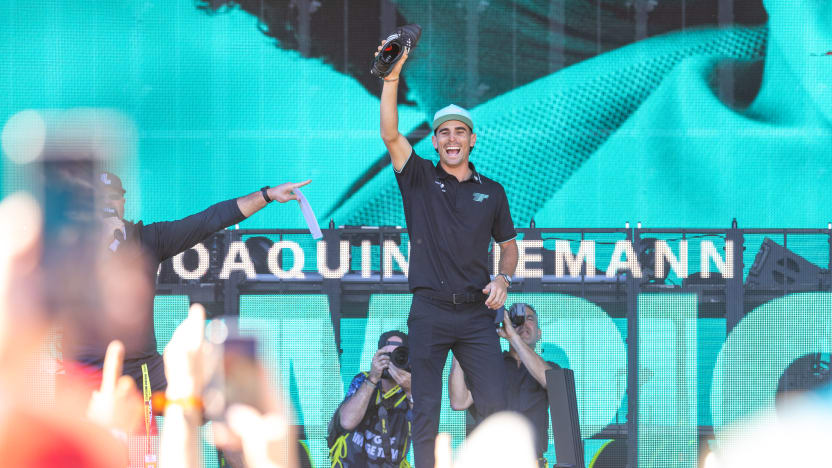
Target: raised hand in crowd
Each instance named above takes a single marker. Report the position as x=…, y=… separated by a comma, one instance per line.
x=35, y=433
x=183, y=358
x=266, y=440
x=116, y=405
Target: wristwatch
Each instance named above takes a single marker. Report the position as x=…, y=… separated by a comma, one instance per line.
x=265, y=192
x=507, y=278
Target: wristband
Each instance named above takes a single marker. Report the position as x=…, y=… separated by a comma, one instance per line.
x=371, y=381
x=187, y=403
x=507, y=278
x=161, y=402
x=265, y=193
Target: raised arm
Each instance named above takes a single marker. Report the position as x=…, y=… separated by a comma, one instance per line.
x=254, y=202
x=184, y=370
x=458, y=392
x=535, y=364
x=168, y=238
x=352, y=410
x=397, y=145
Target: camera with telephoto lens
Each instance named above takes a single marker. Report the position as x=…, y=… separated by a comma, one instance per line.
x=399, y=357
x=517, y=314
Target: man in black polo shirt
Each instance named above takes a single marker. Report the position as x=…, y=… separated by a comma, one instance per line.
x=452, y=213
x=525, y=379
x=158, y=242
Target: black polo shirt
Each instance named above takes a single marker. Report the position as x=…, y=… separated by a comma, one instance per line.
x=525, y=396
x=451, y=225
x=159, y=241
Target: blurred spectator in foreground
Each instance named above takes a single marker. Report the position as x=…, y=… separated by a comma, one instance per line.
x=796, y=436
x=266, y=440
x=503, y=439
x=73, y=429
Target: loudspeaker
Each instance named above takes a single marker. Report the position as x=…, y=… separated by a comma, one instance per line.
x=563, y=404
x=776, y=267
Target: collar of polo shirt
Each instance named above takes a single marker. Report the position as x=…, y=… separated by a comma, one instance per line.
x=442, y=174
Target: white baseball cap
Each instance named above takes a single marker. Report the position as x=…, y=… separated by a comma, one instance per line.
x=452, y=112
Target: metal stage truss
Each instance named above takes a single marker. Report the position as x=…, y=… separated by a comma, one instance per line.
x=761, y=267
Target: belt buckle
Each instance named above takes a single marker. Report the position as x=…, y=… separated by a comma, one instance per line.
x=453, y=298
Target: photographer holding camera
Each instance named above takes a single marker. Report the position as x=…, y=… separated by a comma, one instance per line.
x=371, y=428
x=525, y=375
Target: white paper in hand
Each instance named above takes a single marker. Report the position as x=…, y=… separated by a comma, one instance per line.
x=308, y=215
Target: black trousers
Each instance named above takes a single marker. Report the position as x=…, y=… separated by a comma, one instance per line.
x=434, y=328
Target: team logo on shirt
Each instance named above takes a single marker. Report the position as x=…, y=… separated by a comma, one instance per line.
x=479, y=197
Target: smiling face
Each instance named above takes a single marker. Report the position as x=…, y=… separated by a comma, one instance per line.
x=453, y=141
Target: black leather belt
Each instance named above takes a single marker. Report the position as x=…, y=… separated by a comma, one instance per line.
x=452, y=298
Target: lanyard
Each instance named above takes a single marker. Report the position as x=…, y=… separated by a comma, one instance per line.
x=149, y=456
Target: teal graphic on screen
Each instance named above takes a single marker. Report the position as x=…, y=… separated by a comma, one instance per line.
x=692, y=127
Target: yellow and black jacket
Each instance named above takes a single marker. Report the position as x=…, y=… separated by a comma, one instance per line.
x=381, y=439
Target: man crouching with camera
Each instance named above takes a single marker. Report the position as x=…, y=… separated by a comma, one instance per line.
x=525, y=375
x=371, y=428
